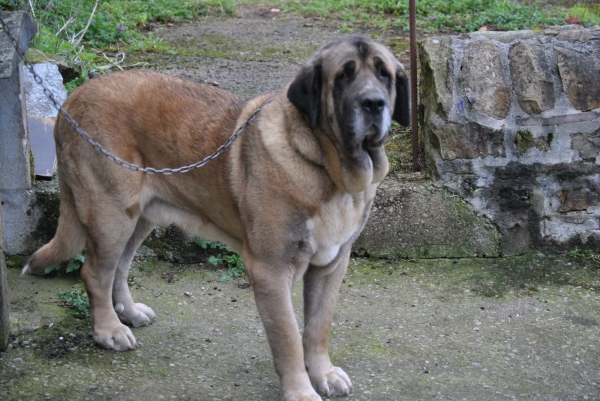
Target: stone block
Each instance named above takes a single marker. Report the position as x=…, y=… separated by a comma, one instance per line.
x=483, y=80
x=555, y=30
x=578, y=192
x=467, y=141
x=416, y=219
x=588, y=145
x=576, y=35
x=557, y=120
x=38, y=103
x=524, y=197
x=435, y=57
x=579, y=74
x=505, y=36
x=578, y=199
x=531, y=78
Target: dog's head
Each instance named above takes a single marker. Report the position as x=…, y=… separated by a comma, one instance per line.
x=351, y=90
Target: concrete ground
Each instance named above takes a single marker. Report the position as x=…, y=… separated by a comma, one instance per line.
x=524, y=328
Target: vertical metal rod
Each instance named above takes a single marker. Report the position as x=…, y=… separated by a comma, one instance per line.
x=413, y=84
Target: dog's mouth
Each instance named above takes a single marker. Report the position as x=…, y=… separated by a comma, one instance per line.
x=371, y=143
x=373, y=140
x=363, y=159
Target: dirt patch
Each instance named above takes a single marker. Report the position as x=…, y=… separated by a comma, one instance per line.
x=255, y=53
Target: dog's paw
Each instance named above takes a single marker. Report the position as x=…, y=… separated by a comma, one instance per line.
x=119, y=338
x=136, y=316
x=333, y=383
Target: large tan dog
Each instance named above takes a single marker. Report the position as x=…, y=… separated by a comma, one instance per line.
x=290, y=195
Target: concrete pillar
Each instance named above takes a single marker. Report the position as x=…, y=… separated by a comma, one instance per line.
x=15, y=164
x=4, y=326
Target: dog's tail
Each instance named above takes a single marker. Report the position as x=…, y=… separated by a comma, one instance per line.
x=68, y=240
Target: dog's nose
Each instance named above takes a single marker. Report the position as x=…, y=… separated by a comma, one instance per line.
x=373, y=104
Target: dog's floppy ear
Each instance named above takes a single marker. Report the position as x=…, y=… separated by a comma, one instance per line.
x=402, y=107
x=305, y=93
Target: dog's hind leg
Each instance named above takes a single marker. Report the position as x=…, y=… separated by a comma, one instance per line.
x=134, y=314
x=108, y=234
x=68, y=240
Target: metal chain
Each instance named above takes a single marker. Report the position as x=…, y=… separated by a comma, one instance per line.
x=110, y=156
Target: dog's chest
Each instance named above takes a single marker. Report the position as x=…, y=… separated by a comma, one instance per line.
x=335, y=223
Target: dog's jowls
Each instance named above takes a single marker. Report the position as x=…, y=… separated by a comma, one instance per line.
x=290, y=195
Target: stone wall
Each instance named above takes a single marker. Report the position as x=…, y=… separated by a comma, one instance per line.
x=511, y=123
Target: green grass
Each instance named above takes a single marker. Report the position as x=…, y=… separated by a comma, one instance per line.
x=91, y=33
x=432, y=15
x=588, y=14
x=113, y=21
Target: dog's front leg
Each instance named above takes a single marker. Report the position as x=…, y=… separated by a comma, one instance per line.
x=321, y=288
x=272, y=291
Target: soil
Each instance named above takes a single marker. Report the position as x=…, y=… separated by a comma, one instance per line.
x=477, y=329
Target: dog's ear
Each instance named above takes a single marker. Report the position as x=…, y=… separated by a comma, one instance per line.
x=305, y=93
x=402, y=107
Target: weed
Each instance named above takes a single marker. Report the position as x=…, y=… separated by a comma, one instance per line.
x=229, y=259
x=234, y=264
x=204, y=244
x=77, y=301
x=398, y=149
x=72, y=265
x=523, y=140
x=584, y=256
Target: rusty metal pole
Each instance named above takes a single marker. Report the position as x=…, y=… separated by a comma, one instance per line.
x=414, y=126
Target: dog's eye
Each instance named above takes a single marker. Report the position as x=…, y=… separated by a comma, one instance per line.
x=348, y=72
x=343, y=77
x=384, y=74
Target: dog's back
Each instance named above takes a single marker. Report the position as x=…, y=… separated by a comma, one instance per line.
x=144, y=118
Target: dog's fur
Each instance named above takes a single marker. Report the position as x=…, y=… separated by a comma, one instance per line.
x=291, y=194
